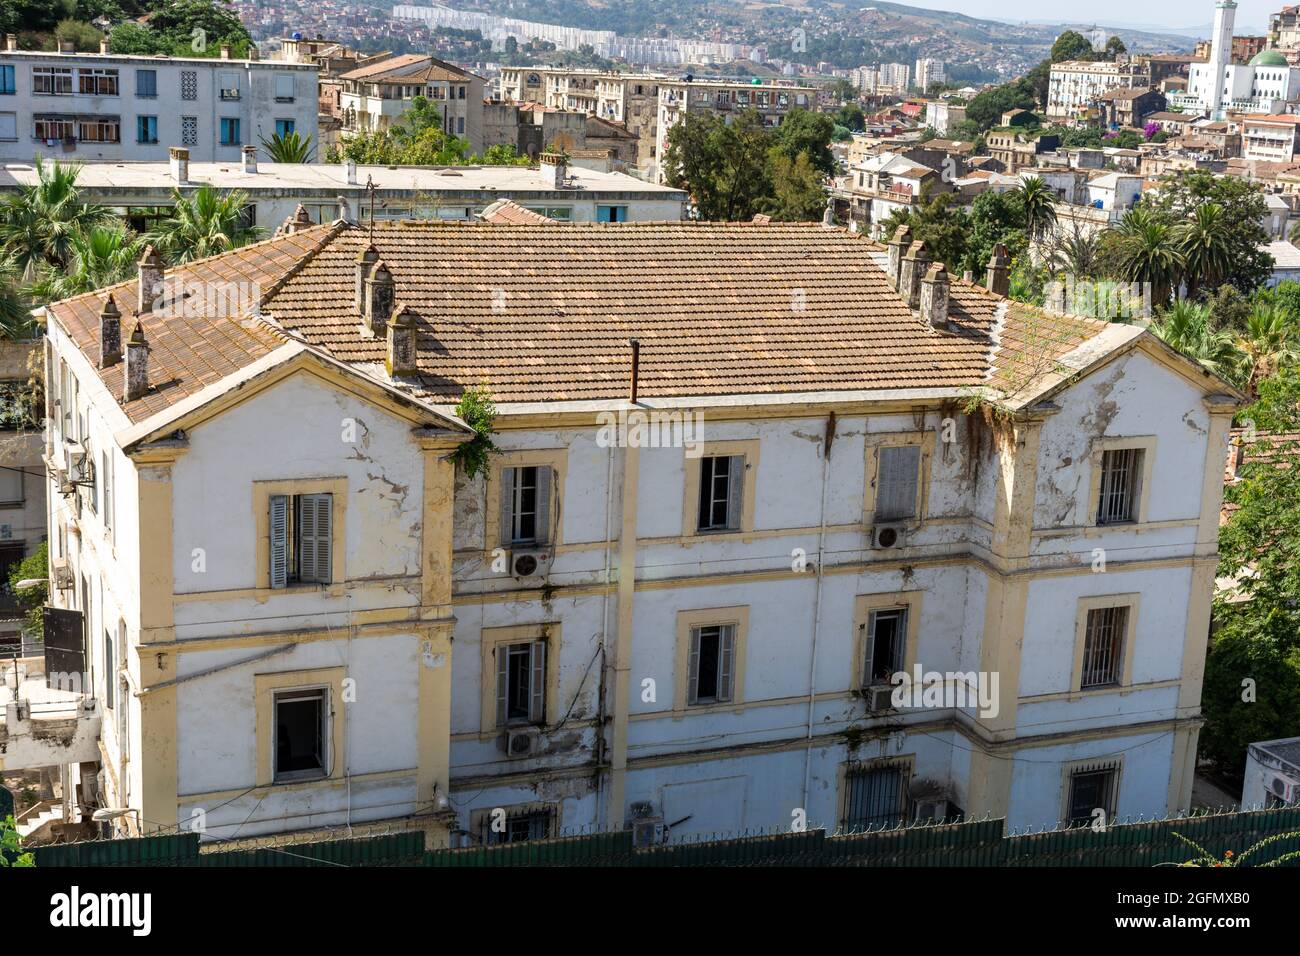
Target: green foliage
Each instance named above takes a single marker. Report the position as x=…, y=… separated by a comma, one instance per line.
x=84, y=37
x=851, y=117
x=502, y=154
x=99, y=257
x=994, y=218
x=289, y=148
x=1189, y=327
x=418, y=140
x=38, y=222
x=1071, y=45
x=11, y=854
x=477, y=410
x=35, y=567
x=985, y=109
x=808, y=133
x=203, y=224
x=184, y=28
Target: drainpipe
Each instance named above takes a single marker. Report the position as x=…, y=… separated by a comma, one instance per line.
x=817, y=612
x=623, y=650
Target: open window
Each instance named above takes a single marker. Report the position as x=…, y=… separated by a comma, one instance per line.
x=526, y=492
x=521, y=683
x=301, y=734
x=301, y=531
x=722, y=480
x=885, y=643
x=712, y=664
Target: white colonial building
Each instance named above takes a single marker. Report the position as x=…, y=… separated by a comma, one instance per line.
x=679, y=591
x=1264, y=85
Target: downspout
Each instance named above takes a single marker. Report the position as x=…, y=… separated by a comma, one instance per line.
x=602, y=817
x=817, y=611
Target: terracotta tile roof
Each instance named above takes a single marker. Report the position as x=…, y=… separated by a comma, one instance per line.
x=408, y=67
x=509, y=212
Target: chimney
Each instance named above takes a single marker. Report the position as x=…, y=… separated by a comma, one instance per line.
x=136, y=379
x=110, y=334
x=915, y=263
x=1055, y=297
x=11, y=42
x=379, y=299
x=253, y=53
x=365, y=262
x=897, y=249
x=66, y=46
x=150, y=284
x=103, y=46
x=402, y=333
x=225, y=51
x=301, y=219
x=350, y=166
x=345, y=210
x=250, y=159
x=180, y=157
x=998, y=279
x=554, y=168
x=934, y=297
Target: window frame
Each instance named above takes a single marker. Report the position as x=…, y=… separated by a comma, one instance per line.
x=142, y=125
x=905, y=764
x=1077, y=768
x=874, y=442
x=1147, y=445
x=265, y=689
x=690, y=621
x=694, y=472
x=864, y=605
x=1124, y=668
x=8, y=80
x=492, y=638
x=481, y=820
x=224, y=127
x=53, y=73
x=554, y=458
x=263, y=491
x=14, y=117
x=139, y=91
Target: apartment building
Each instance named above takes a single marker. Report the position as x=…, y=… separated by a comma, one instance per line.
x=102, y=107
x=929, y=72
x=1270, y=137
x=724, y=98
x=299, y=612
x=1076, y=84
x=375, y=96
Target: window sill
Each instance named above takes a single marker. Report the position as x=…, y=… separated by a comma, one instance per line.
x=299, y=776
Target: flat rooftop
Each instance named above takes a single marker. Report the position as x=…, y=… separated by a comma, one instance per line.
x=329, y=179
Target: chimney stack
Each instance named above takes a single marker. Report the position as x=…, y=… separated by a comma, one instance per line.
x=103, y=46
x=250, y=159
x=1055, y=297
x=915, y=263
x=150, y=281
x=350, y=166
x=110, y=334
x=345, y=211
x=998, y=279
x=402, y=333
x=380, y=296
x=225, y=51
x=897, y=249
x=934, y=297
x=554, y=168
x=136, y=379
x=66, y=46
x=253, y=53
x=365, y=262
x=301, y=219
x=11, y=42
x=180, y=158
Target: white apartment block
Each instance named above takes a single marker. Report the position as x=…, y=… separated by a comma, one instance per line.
x=1076, y=84
x=896, y=77
x=101, y=107
x=929, y=72
x=376, y=96
x=1270, y=137
x=297, y=612
x=617, y=97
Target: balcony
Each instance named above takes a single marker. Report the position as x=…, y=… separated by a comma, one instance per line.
x=44, y=726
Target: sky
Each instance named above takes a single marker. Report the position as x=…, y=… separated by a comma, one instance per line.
x=1175, y=13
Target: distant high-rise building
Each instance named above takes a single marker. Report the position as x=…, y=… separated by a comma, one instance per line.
x=929, y=72
x=895, y=76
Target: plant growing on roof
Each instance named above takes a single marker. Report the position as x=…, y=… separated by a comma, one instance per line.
x=1205, y=858
x=477, y=410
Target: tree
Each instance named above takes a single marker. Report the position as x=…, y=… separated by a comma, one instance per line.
x=1187, y=327
x=1071, y=45
x=83, y=37
x=15, y=308
x=995, y=217
x=1114, y=48
x=805, y=132
x=206, y=223
x=1146, y=253
x=184, y=28
x=798, y=191
x=289, y=148
x=1205, y=247
x=34, y=567
x=102, y=256
x=938, y=221
x=38, y=222
x=850, y=116
x=1270, y=343
x=724, y=166
x=11, y=854
x=1038, y=202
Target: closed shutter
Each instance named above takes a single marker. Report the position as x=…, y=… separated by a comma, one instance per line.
x=693, y=669
x=537, y=688
x=544, y=481
x=279, y=527
x=868, y=644
x=726, y=660
x=896, y=475
x=314, y=524
x=735, y=491
x=507, y=506
x=503, y=681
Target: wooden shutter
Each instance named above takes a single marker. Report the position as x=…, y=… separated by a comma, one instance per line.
x=314, y=527
x=502, y=652
x=537, y=688
x=896, y=474
x=507, y=506
x=868, y=648
x=279, y=528
x=543, y=524
x=693, y=668
x=735, y=491
x=64, y=632
x=726, y=660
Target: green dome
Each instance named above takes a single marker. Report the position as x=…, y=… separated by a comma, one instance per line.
x=1268, y=58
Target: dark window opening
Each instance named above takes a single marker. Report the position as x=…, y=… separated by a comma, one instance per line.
x=300, y=734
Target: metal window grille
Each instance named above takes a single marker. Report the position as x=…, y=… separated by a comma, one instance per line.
x=875, y=796
x=189, y=131
x=1093, y=787
x=1103, y=646
x=189, y=84
x=522, y=825
x=1121, y=469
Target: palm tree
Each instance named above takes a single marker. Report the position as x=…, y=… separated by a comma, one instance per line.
x=1186, y=326
x=1269, y=343
x=205, y=224
x=1074, y=254
x=1148, y=255
x=289, y=148
x=1203, y=242
x=38, y=222
x=15, y=317
x=103, y=256
x=1036, y=199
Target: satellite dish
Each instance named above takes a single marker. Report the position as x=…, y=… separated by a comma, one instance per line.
x=297, y=35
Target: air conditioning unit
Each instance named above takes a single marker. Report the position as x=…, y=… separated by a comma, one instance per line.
x=934, y=810
x=521, y=741
x=62, y=482
x=60, y=573
x=1283, y=788
x=884, y=536
x=530, y=564
x=647, y=827
x=879, y=699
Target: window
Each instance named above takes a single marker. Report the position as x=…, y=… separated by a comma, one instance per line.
x=460, y=126
x=1103, y=646
x=611, y=213
x=53, y=128
x=521, y=683
x=300, y=734
x=1121, y=482
x=97, y=82
x=229, y=85
x=885, y=633
x=110, y=672
x=106, y=471
x=230, y=132
x=7, y=87
x=526, y=505
x=9, y=126
x=721, y=491
x=875, y=796
x=301, y=551
x=897, y=471
x=712, y=664
x=460, y=92
x=146, y=83
x=189, y=84
x=518, y=825
x=562, y=213
x=11, y=486
x=283, y=127
x=105, y=130
x=189, y=131
x=284, y=87
x=52, y=80
x=146, y=129
x=1092, y=787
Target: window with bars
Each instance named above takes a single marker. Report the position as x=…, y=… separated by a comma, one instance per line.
x=885, y=632
x=897, y=470
x=722, y=480
x=1121, y=478
x=1103, y=646
x=1093, y=787
x=535, y=824
x=526, y=505
x=521, y=683
x=301, y=532
x=875, y=796
x=712, y=664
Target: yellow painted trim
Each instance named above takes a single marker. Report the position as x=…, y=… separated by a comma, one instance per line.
x=1102, y=445
x=340, y=632
x=925, y=439
x=493, y=637
x=620, y=667
x=863, y=605
x=749, y=448
x=557, y=459
x=1122, y=690
x=324, y=784
x=262, y=492
x=264, y=688
x=687, y=621
x=1132, y=602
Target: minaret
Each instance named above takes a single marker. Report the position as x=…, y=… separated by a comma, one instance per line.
x=1225, y=12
